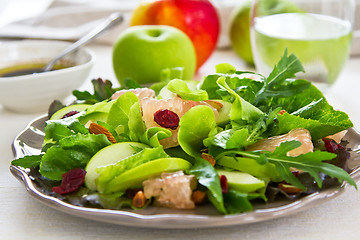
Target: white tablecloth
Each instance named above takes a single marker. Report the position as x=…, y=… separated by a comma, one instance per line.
x=22, y=217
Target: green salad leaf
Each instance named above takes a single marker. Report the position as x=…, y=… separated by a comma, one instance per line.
x=329, y=123
x=311, y=162
x=237, y=202
x=207, y=176
x=71, y=152
x=102, y=90
x=195, y=126
x=242, y=112
x=153, y=135
x=125, y=112
x=28, y=161
x=180, y=88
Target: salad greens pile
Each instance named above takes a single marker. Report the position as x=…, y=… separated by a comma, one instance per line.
x=254, y=107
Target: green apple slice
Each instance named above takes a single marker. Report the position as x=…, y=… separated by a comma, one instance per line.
x=241, y=181
x=109, y=155
x=224, y=113
x=62, y=112
x=133, y=178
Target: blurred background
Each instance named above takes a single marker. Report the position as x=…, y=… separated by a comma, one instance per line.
x=71, y=19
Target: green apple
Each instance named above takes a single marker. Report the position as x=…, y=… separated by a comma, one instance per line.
x=96, y=112
x=224, y=113
x=240, y=23
x=68, y=109
x=109, y=155
x=240, y=31
x=142, y=52
x=133, y=178
x=241, y=181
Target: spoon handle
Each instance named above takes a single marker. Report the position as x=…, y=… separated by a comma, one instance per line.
x=109, y=23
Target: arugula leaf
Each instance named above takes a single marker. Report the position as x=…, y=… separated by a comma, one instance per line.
x=207, y=176
x=71, y=152
x=195, y=126
x=311, y=163
x=278, y=85
x=180, y=88
x=240, y=137
x=251, y=166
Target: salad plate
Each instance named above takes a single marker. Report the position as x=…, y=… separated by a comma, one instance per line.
x=30, y=140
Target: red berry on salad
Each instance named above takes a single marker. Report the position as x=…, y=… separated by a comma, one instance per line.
x=71, y=181
x=223, y=184
x=166, y=118
x=69, y=114
x=331, y=145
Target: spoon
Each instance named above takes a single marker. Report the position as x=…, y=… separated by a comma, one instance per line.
x=106, y=25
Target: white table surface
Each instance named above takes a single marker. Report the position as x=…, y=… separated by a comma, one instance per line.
x=22, y=217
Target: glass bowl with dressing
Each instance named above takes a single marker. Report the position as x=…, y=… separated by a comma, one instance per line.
x=23, y=88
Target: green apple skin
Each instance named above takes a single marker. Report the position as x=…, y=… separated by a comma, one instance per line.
x=240, y=23
x=94, y=117
x=241, y=181
x=224, y=113
x=108, y=155
x=134, y=178
x=240, y=32
x=142, y=52
x=62, y=112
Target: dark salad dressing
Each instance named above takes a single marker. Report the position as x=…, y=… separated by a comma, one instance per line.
x=27, y=69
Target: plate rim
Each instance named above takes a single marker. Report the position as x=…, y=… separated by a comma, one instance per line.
x=169, y=220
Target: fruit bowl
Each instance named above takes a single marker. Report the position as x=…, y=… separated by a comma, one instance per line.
x=32, y=93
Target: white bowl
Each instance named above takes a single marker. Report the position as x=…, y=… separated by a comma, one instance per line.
x=34, y=92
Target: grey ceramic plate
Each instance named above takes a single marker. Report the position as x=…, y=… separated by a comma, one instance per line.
x=29, y=142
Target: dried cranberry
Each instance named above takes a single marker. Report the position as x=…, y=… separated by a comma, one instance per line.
x=71, y=181
x=296, y=173
x=331, y=145
x=223, y=184
x=167, y=118
x=69, y=114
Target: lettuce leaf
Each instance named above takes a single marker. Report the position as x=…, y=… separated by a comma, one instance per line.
x=180, y=88
x=329, y=123
x=242, y=112
x=71, y=152
x=125, y=112
x=153, y=135
x=28, y=161
x=195, y=126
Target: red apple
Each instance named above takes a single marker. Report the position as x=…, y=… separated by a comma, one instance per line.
x=197, y=18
